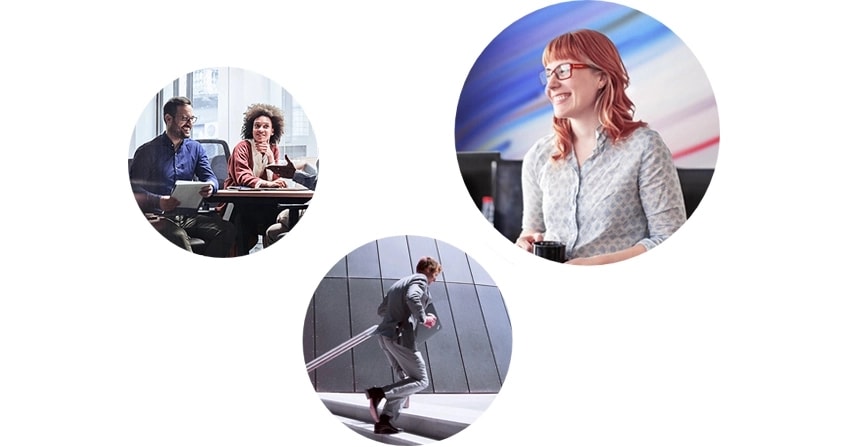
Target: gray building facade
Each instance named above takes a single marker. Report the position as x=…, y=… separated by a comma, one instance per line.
x=470, y=354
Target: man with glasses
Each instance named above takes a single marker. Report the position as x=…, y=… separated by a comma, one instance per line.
x=155, y=169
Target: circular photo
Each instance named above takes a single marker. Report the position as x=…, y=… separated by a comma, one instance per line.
x=407, y=340
x=587, y=133
x=223, y=162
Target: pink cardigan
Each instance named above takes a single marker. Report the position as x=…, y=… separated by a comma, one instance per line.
x=240, y=166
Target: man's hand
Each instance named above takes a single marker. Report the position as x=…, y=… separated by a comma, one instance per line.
x=429, y=321
x=285, y=171
x=206, y=191
x=168, y=203
x=299, y=165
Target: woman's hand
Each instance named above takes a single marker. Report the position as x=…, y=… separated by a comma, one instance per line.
x=263, y=148
x=592, y=260
x=609, y=258
x=526, y=239
x=278, y=183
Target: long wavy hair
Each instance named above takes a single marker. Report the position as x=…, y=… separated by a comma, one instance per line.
x=615, y=109
x=255, y=111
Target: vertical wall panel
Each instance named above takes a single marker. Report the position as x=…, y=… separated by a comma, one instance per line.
x=331, y=329
x=339, y=270
x=394, y=257
x=309, y=337
x=455, y=264
x=447, y=373
x=480, y=275
x=474, y=345
x=497, y=326
x=363, y=262
x=369, y=361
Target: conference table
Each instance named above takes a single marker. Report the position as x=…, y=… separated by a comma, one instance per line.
x=293, y=198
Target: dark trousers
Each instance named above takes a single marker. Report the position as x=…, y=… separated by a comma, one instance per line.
x=217, y=233
x=250, y=222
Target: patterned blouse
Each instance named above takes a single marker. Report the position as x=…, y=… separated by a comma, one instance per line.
x=624, y=194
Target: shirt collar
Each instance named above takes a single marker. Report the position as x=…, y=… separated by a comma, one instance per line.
x=601, y=138
x=166, y=141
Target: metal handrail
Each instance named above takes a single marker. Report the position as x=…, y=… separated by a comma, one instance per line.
x=341, y=349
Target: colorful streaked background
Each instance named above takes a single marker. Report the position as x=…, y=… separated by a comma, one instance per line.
x=503, y=108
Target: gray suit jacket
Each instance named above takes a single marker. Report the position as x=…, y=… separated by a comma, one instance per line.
x=403, y=308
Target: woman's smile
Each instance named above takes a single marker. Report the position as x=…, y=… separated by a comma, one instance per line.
x=559, y=98
x=262, y=129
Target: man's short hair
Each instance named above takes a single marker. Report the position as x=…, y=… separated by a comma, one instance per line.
x=172, y=104
x=428, y=266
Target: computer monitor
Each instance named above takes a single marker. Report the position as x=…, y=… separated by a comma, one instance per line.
x=479, y=172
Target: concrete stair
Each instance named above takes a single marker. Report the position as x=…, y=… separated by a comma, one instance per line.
x=429, y=418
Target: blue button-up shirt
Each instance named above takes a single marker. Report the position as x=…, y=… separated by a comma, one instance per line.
x=157, y=165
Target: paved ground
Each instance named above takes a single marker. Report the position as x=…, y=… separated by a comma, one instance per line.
x=456, y=407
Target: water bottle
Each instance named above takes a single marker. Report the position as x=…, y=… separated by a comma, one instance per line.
x=488, y=209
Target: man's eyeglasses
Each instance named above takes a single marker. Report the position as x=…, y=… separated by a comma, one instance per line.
x=183, y=119
x=562, y=72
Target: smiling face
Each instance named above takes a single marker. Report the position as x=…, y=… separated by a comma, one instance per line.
x=573, y=98
x=262, y=129
x=179, y=125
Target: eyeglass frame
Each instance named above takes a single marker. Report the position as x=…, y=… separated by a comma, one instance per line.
x=183, y=119
x=545, y=76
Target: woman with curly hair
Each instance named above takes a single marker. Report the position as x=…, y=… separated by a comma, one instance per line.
x=602, y=183
x=260, y=133
x=248, y=166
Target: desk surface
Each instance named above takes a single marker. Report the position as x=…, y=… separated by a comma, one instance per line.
x=282, y=193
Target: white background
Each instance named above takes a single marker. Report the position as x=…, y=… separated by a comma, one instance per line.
x=733, y=332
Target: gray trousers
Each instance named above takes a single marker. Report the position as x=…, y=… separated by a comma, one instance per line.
x=409, y=365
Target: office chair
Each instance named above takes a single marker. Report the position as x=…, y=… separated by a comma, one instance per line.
x=694, y=183
x=218, y=153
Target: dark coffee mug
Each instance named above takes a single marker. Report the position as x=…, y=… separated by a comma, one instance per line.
x=552, y=250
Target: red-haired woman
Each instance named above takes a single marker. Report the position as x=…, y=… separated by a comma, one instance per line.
x=603, y=183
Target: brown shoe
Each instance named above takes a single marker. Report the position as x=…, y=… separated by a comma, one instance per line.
x=384, y=427
x=375, y=396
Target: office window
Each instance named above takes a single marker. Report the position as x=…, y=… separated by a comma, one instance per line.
x=219, y=96
x=204, y=100
x=300, y=125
